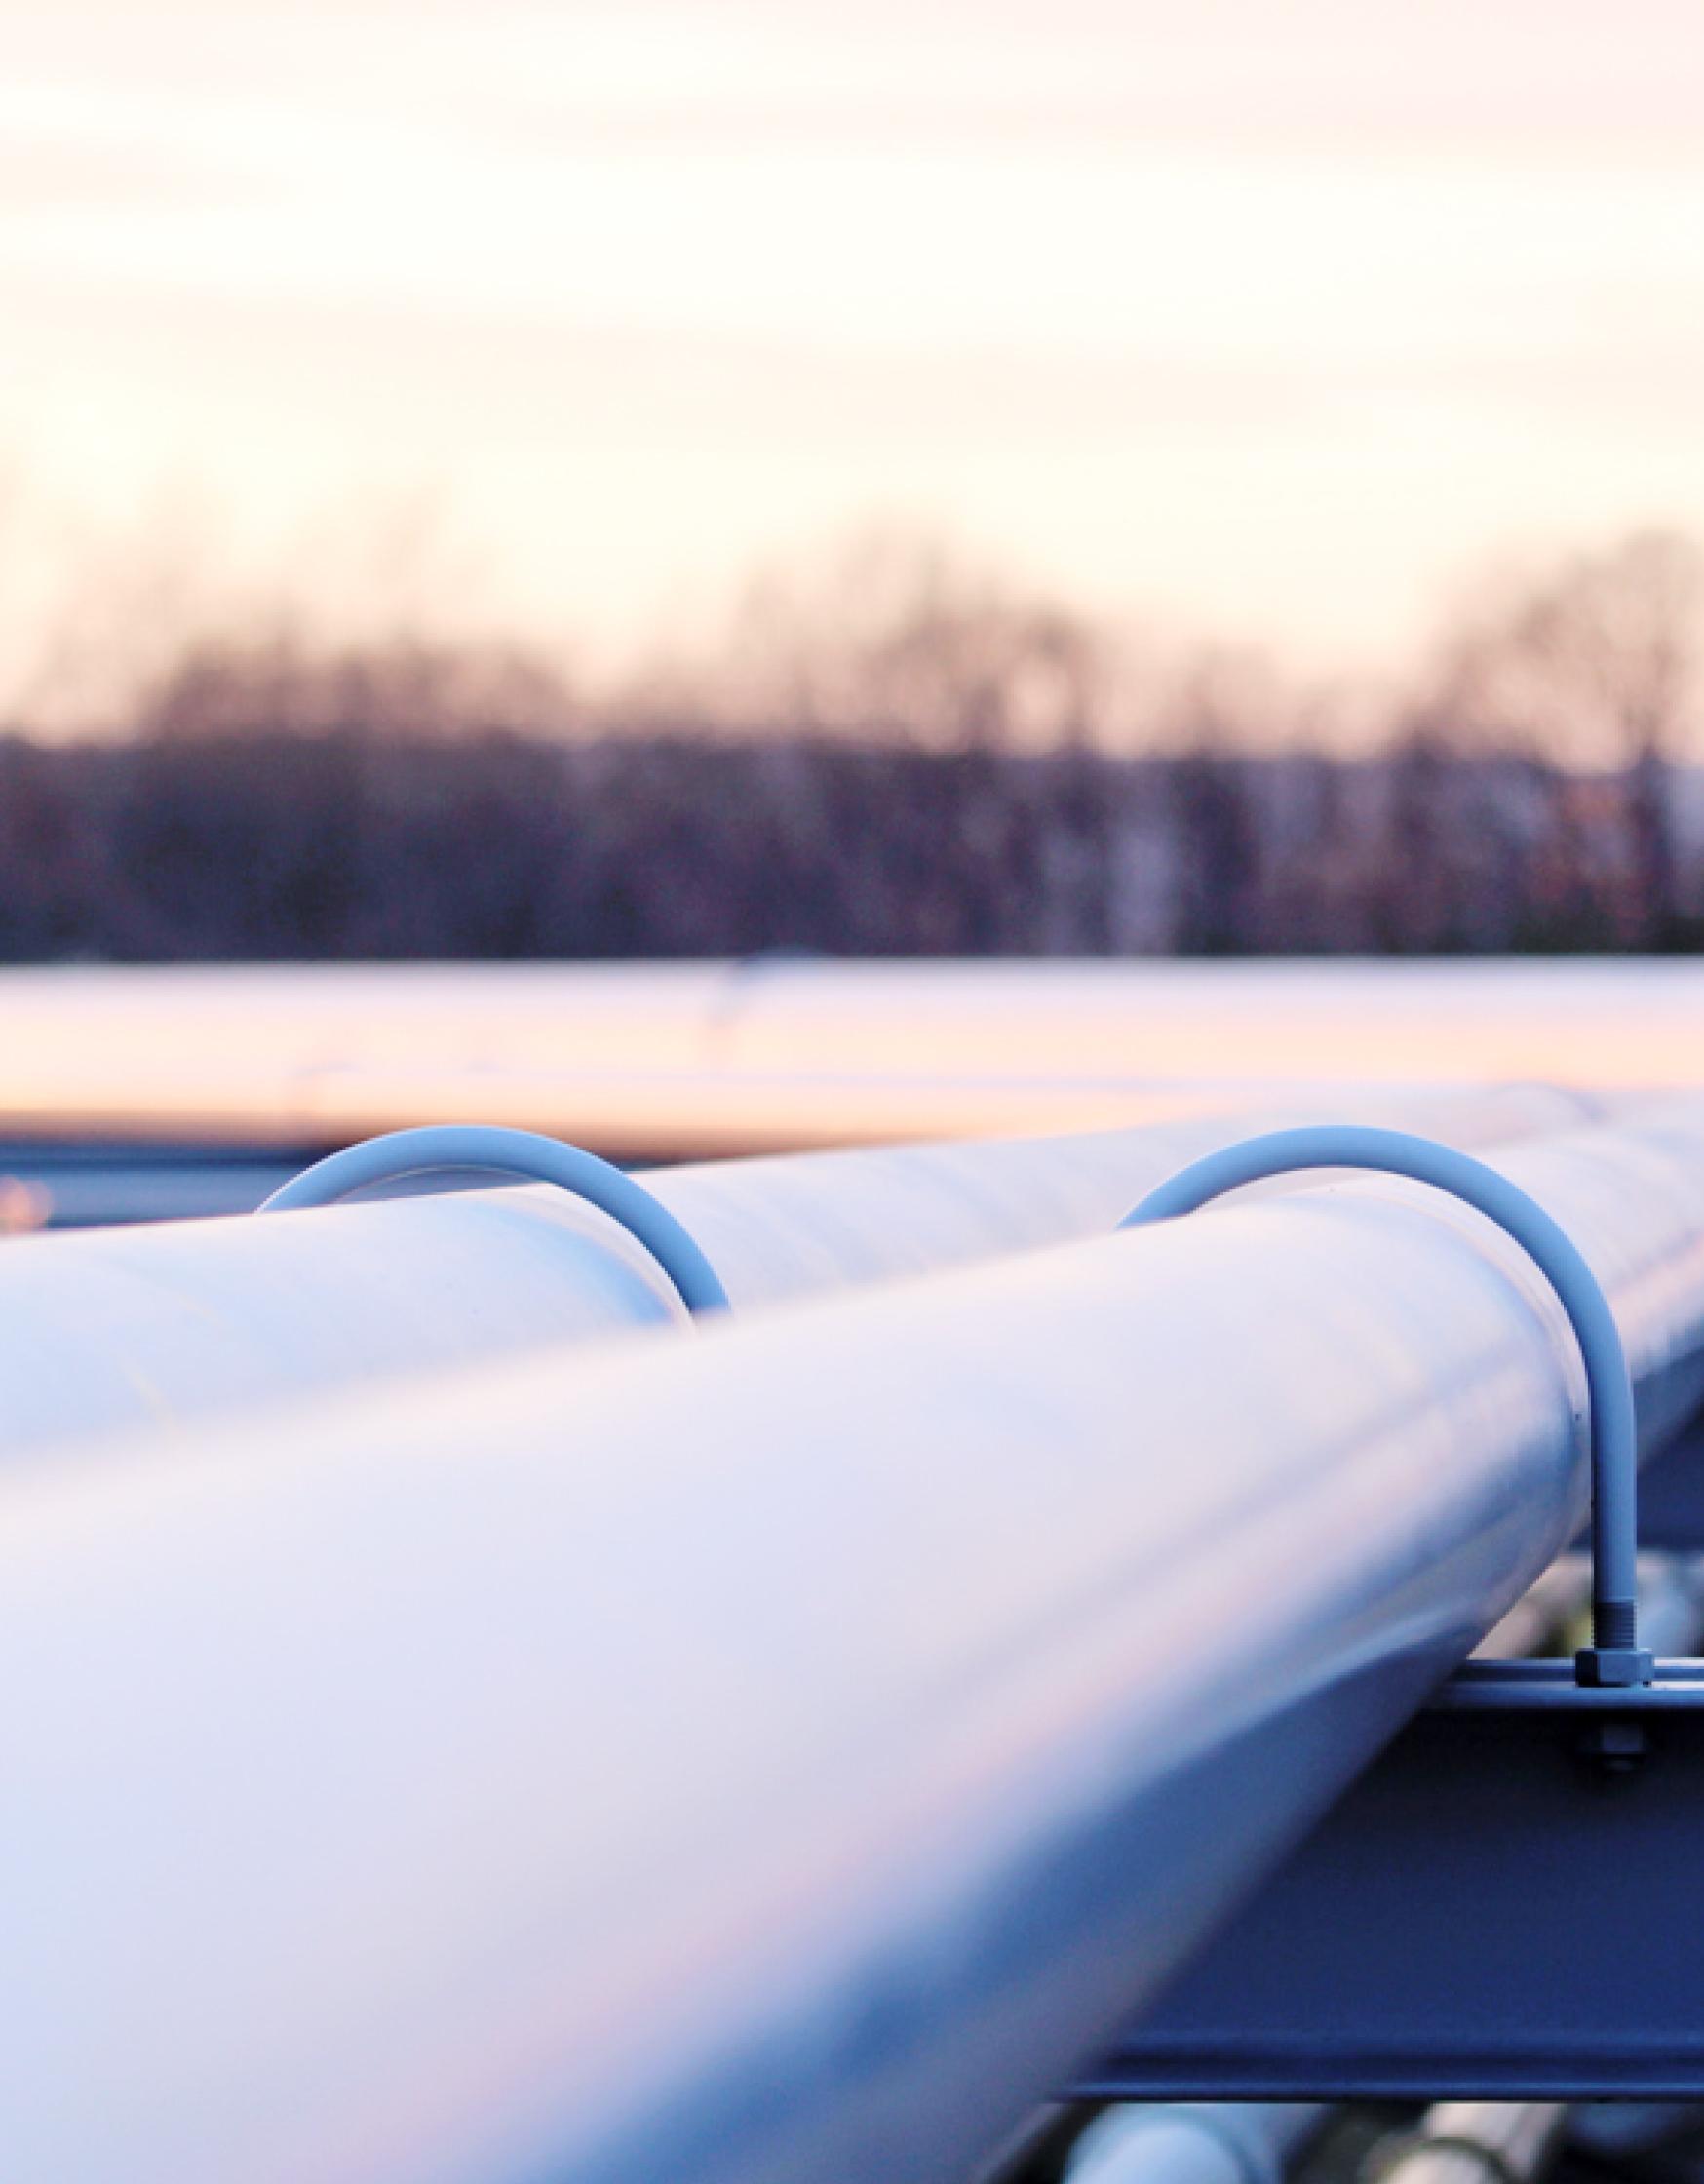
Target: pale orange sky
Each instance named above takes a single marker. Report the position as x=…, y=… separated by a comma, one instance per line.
x=1273, y=316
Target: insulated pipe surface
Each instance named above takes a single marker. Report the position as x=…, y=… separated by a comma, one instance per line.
x=118, y=1330
x=782, y=1757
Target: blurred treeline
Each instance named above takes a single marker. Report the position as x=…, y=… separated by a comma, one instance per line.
x=920, y=762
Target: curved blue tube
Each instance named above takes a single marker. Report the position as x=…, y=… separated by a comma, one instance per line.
x=526, y=1154
x=1614, y=1656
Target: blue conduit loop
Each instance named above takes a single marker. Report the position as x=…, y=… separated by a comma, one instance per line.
x=1614, y=1656
x=524, y=1155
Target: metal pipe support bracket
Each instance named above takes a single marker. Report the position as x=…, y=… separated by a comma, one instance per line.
x=1614, y=1657
x=526, y=1156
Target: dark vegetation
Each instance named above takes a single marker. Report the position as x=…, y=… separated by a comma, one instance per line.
x=934, y=768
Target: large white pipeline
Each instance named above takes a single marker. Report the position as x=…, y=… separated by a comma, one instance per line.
x=782, y=1756
x=669, y=1059
x=117, y=1329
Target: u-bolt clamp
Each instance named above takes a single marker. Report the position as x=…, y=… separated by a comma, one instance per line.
x=520, y=1153
x=1614, y=1656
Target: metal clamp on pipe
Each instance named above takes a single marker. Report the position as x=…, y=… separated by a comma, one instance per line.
x=528, y=1157
x=1614, y=1659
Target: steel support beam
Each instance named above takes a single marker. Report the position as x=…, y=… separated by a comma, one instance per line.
x=1506, y=1906
x=1552, y=1952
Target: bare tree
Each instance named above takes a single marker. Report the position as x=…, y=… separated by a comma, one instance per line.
x=1594, y=668
x=900, y=638
x=283, y=682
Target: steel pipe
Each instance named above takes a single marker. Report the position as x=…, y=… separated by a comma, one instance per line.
x=781, y=1756
x=120, y=1329
x=668, y=1060
x=1192, y=2142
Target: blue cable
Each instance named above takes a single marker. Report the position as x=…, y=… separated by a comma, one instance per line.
x=524, y=1155
x=1614, y=1656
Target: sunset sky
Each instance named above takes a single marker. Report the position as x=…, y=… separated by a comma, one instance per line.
x=1272, y=316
